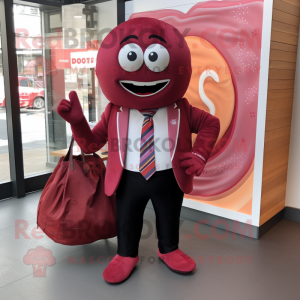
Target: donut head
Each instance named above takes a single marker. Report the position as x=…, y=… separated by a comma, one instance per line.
x=144, y=63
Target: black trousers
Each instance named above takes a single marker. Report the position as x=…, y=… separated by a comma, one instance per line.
x=132, y=195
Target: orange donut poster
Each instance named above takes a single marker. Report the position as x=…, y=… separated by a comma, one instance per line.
x=224, y=38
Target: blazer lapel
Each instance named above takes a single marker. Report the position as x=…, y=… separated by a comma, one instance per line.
x=122, y=128
x=173, y=127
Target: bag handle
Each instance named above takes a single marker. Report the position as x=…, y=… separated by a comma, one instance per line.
x=69, y=157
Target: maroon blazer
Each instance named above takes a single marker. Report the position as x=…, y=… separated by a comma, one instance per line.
x=183, y=120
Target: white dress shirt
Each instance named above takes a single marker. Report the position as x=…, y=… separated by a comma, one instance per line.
x=161, y=140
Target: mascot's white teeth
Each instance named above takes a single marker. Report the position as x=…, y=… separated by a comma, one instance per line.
x=144, y=89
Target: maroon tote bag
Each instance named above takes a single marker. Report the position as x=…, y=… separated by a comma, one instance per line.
x=73, y=208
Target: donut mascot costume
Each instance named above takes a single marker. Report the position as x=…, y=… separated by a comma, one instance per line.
x=144, y=69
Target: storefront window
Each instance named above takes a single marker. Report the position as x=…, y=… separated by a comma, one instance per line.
x=56, y=52
x=31, y=89
x=4, y=157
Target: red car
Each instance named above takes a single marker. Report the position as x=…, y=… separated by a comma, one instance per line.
x=31, y=94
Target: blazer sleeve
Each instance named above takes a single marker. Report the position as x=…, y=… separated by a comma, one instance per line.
x=207, y=128
x=92, y=140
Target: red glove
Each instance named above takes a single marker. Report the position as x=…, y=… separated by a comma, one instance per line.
x=71, y=111
x=193, y=163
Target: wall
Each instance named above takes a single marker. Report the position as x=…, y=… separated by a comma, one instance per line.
x=293, y=175
x=142, y=5
x=216, y=207
x=283, y=53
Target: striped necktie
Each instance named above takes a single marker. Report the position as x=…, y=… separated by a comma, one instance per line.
x=147, y=155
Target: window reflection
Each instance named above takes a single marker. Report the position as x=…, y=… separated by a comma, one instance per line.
x=4, y=157
x=54, y=59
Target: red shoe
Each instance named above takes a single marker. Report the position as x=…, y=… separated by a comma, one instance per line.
x=119, y=268
x=178, y=261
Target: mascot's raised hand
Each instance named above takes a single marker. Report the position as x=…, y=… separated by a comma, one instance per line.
x=71, y=111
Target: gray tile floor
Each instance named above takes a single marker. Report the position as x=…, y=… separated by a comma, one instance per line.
x=229, y=268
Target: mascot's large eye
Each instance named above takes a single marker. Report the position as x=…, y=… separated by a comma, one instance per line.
x=131, y=57
x=156, y=57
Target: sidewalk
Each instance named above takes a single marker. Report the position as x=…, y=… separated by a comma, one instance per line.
x=34, y=163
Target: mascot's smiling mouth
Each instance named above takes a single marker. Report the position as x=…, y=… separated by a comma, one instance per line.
x=144, y=89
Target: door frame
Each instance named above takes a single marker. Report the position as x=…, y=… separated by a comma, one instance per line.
x=19, y=185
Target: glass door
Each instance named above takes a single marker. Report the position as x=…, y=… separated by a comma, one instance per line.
x=56, y=52
x=82, y=29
